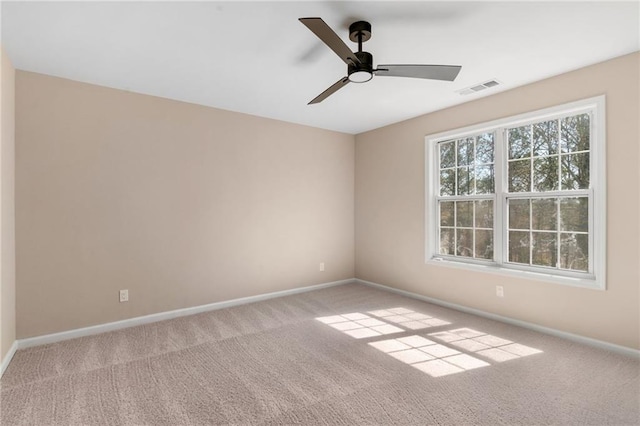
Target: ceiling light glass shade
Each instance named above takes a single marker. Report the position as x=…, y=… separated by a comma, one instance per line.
x=360, y=76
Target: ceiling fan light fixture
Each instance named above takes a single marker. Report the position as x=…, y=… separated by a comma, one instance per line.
x=361, y=76
x=362, y=71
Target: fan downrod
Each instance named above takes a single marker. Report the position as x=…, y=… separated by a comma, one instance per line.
x=362, y=72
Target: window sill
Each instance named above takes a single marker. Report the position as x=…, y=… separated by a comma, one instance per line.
x=590, y=283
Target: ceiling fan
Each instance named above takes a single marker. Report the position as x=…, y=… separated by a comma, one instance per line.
x=360, y=64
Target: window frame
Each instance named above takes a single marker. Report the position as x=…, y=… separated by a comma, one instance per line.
x=596, y=279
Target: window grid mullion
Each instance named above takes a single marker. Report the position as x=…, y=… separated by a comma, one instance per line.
x=558, y=239
x=530, y=232
x=455, y=226
x=473, y=230
x=475, y=181
x=549, y=194
x=455, y=172
x=499, y=220
x=559, y=170
x=478, y=197
x=531, y=158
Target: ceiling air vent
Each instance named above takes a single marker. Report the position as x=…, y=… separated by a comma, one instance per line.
x=478, y=87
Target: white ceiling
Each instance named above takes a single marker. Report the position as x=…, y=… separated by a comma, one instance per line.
x=257, y=58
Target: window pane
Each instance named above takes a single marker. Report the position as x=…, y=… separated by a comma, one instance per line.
x=520, y=176
x=484, y=149
x=544, y=249
x=448, y=182
x=574, y=251
x=447, y=241
x=484, y=179
x=484, y=214
x=465, y=180
x=574, y=134
x=446, y=213
x=465, y=152
x=520, y=142
x=465, y=242
x=544, y=214
x=484, y=244
x=574, y=214
x=519, y=247
x=575, y=171
x=447, y=154
x=545, y=174
x=545, y=138
x=519, y=214
x=464, y=213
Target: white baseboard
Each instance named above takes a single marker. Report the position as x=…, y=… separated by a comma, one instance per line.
x=131, y=322
x=8, y=357
x=546, y=330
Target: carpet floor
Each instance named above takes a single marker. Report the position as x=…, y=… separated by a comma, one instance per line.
x=342, y=355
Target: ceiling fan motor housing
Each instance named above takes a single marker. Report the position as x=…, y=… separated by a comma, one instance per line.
x=365, y=66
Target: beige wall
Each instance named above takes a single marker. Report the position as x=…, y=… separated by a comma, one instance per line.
x=186, y=205
x=390, y=210
x=181, y=204
x=7, y=209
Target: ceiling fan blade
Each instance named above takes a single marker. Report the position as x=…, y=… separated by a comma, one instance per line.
x=432, y=72
x=331, y=39
x=330, y=91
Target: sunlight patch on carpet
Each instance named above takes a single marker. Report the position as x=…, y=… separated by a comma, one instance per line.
x=408, y=318
x=440, y=353
x=489, y=346
x=359, y=325
x=389, y=321
x=428, y=356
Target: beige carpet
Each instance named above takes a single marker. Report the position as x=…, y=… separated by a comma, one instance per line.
x=342, y=355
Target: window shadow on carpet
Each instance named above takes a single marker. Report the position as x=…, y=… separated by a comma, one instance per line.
x=441, y=354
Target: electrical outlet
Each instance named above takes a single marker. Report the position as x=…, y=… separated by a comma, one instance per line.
x=499, y=291
x=124, y=296
x=321, y=266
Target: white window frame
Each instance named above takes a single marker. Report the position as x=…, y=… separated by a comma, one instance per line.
x=596, y=279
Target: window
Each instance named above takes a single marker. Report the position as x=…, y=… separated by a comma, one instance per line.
x=522, y=196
